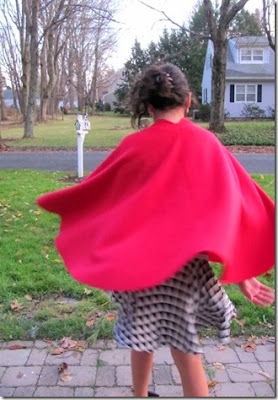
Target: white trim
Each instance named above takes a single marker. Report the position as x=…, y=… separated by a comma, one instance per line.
x=251, y=78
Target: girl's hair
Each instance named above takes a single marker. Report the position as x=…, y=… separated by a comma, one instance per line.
x=163, y=86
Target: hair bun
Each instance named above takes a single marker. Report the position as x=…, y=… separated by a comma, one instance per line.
x=158, y=77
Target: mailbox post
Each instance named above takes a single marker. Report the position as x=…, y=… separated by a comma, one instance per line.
x=82, y=126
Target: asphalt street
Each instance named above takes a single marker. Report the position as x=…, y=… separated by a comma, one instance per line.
x=67, y=161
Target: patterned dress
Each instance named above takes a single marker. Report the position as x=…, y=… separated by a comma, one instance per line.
x=171, y=313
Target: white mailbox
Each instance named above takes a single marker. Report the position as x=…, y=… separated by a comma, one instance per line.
x=82, y=126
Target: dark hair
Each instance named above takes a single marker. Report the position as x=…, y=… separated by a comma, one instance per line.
x=163, y=86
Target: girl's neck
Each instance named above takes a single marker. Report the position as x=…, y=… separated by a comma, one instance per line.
x=173, y=115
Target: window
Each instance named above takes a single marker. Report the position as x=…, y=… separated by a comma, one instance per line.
x=245, y=93
x=205, y=95
x=251, y=56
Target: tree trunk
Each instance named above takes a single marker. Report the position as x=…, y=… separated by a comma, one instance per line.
x=31, y=107
x=2, y=99
x=218, y=84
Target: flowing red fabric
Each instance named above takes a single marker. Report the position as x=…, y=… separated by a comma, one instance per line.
x=165, y=194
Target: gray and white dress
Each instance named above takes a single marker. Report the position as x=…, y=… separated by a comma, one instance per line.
x=172, y=312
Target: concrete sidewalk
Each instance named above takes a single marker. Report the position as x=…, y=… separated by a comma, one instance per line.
x=103, y=370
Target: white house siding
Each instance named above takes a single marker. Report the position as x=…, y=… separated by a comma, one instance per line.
x=235, y=108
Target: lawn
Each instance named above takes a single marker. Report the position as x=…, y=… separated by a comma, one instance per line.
x=39, y=299
x=107, y=130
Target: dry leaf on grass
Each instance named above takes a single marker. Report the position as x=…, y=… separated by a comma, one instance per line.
x=110, y=317
x=28, y=297
x=87, y=291
x=241, y=322
x=90, y=323
x=16, y=305
x=94, y=315
x=58, y=261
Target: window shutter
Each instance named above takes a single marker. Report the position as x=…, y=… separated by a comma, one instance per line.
x=232, y=93
x=259, y=96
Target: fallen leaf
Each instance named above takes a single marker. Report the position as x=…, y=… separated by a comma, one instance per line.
x=16, y=347
x=265, y=374
x=19, y=375
x=62, y=367
x=110, y=317
x=263, y=340
x=28, y=297
x=57, y=351
x=68, y=343
x=58, y=261
x=48, y=341
x=95, y=315
x=218, y=365
x=16, y=305
x=66, y=377
x=90, y=323
x=80, y=346
x=211, y=383
x=221, y=347
x=241, y=322
x=87, y=291
x=250, y=346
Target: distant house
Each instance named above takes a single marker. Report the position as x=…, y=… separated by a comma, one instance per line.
x=250, y=75
x=114, y=81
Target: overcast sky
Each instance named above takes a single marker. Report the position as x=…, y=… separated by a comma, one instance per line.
x=138, y=21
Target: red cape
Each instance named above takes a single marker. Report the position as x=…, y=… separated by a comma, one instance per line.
x=162, y=196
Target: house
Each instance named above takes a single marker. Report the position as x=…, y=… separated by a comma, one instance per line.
x=113, y=82
x=250, y=75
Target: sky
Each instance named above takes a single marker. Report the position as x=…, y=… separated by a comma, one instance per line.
x=137, y=21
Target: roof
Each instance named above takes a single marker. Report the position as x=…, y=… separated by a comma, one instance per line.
x=249, y=71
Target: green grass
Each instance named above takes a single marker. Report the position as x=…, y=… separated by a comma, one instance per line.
x=107, y=130
x=39, y=299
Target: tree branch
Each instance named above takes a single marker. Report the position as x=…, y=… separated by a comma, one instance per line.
x=234, y=10
x=211, y=20
x=197, y=34
x=266, y=22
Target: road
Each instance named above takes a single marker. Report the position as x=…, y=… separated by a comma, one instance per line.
x=67, y=161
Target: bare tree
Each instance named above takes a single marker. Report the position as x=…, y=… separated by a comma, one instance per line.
x=268, y=20
x=2, y=99
x=53, y=16
x=31, y=10
x=44, y=38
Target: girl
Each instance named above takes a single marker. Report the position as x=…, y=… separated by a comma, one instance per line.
x=145, y=224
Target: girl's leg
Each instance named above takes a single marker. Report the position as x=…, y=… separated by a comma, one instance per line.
x=141, y=367
x=192, y=374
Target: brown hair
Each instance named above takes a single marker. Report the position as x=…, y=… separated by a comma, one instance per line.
x=163, y=86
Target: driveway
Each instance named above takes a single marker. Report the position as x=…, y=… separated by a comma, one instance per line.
x=67, y=161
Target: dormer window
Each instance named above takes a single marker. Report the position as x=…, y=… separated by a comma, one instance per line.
x=251, y=56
